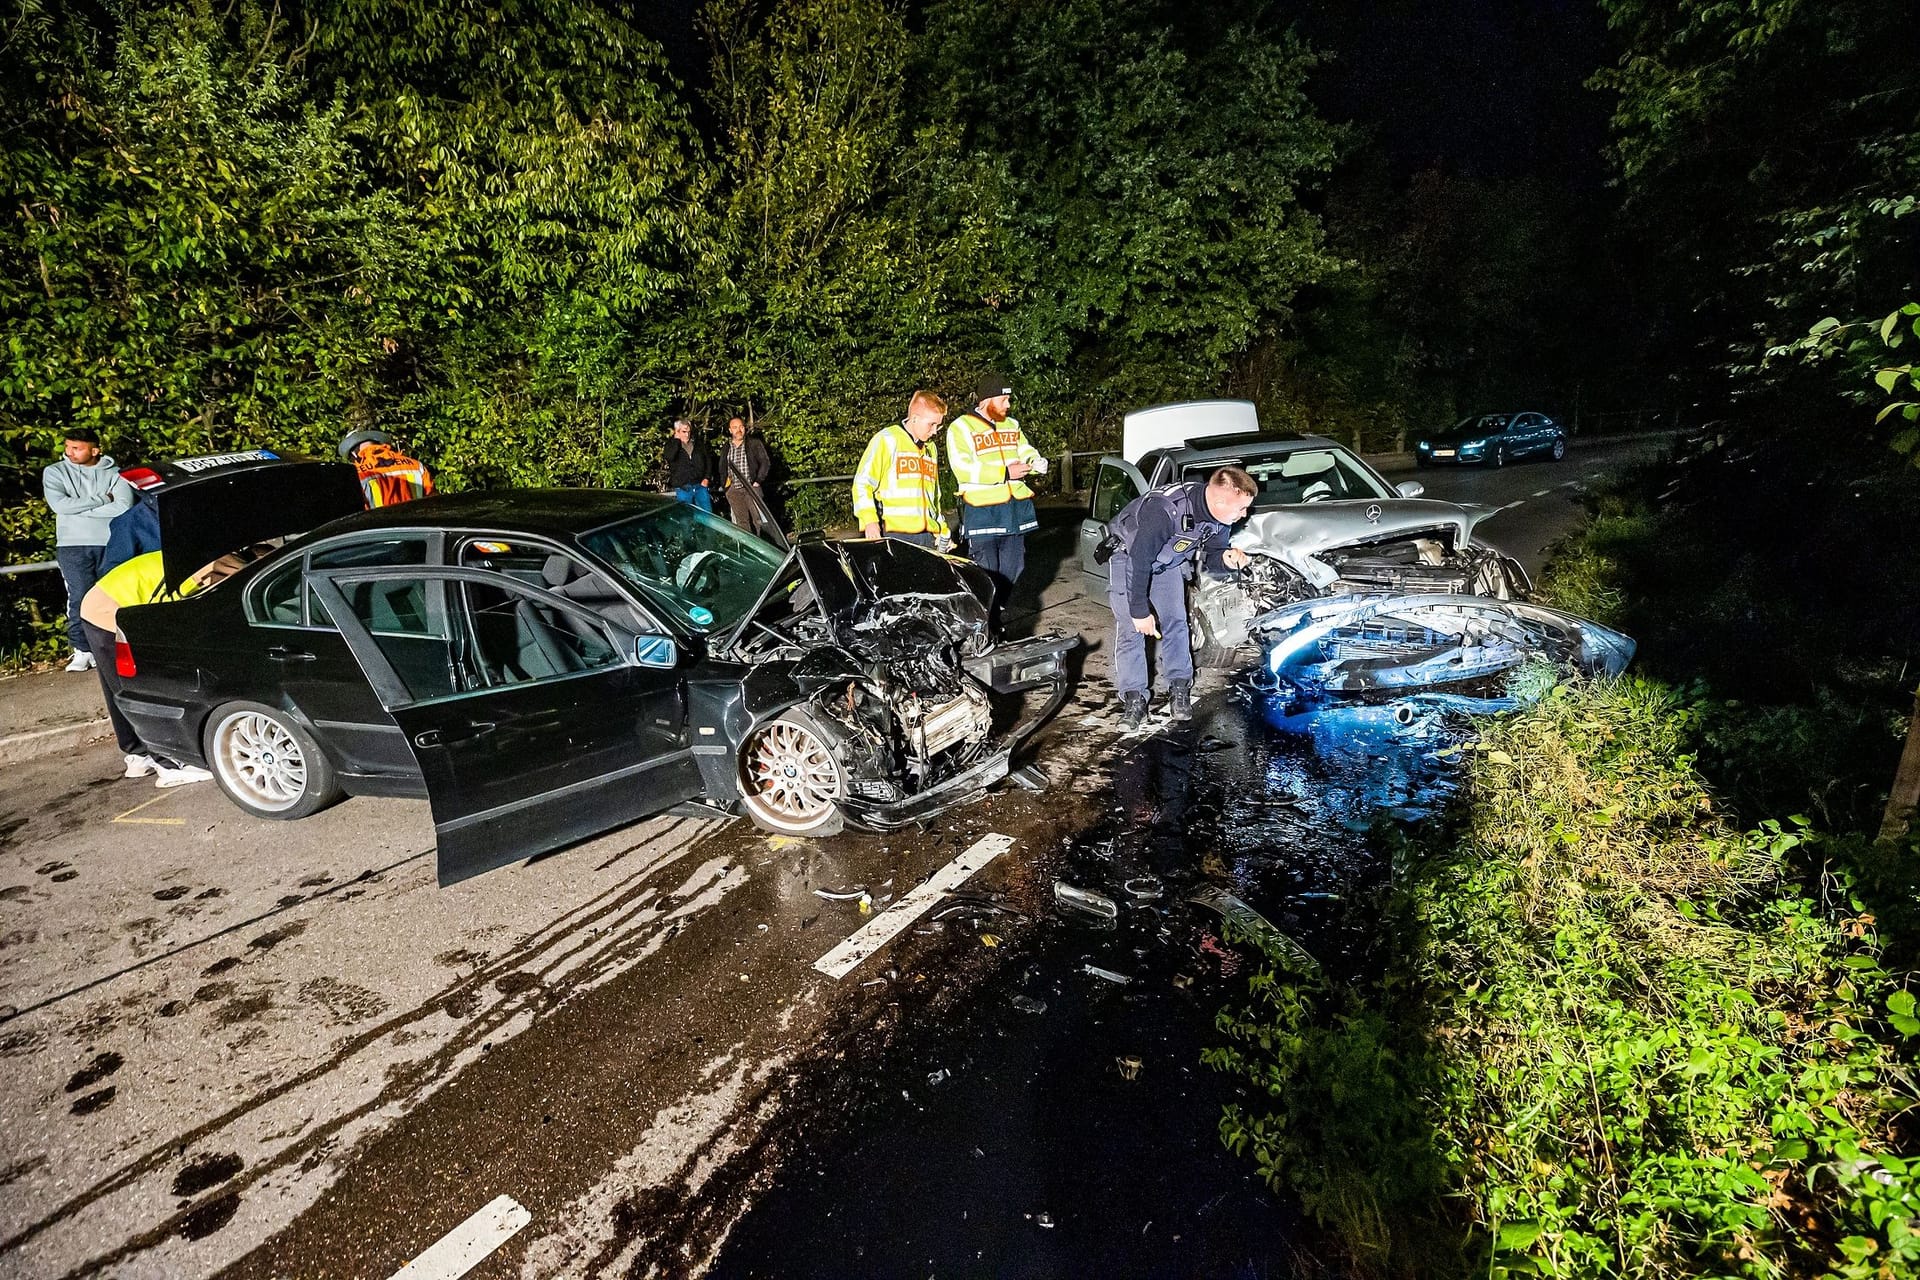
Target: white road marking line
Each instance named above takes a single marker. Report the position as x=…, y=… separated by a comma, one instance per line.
x=1510, y=506
x=889, y=924
x=467, y=1245
x=1541, y=493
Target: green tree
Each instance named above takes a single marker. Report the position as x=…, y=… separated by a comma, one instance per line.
x=551, y=160
x=1142, y=166
x=828, y=294
x=1772, y=150
x=196, y=257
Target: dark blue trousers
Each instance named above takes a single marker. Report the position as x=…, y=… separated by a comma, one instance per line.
x=1168, y=595
x=80, y=567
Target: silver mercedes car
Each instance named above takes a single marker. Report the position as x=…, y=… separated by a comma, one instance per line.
x=1324, y=521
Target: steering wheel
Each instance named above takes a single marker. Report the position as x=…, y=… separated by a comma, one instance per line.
x=1318, y=491
x=698, y=575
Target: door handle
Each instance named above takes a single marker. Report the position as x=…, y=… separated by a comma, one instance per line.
x=441, y=737
x=280, y=653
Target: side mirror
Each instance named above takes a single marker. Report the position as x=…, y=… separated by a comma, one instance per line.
x=1409, y=488
x=656, y=651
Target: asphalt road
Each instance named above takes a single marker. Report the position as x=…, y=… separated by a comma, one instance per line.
x=253, y=1048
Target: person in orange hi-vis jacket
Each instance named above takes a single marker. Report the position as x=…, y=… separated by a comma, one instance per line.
x=387, y=476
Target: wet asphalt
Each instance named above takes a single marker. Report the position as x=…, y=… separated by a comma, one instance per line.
x=1059, y=1121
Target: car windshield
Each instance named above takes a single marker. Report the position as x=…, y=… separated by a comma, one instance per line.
x=1306, y=475
x=1483, y=425
x=701, y=569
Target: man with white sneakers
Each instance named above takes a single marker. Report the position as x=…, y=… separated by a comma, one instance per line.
x=140, y=580
x=86, y=492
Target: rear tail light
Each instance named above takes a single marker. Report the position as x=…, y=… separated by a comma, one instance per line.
x=142, y=477
x=123, y=659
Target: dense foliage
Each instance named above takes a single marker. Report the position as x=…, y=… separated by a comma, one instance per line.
x=1612, y=1037
x=1770, y=153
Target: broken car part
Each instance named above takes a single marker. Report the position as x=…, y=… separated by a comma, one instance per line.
x=1380, y=642
x=1255, y=927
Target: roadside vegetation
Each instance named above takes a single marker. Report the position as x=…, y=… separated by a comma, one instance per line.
x=1644, y=1002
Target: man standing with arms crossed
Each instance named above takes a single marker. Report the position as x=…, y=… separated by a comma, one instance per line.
x=1151, y=549
x=86, y=492
x=991, y=459
x=896, y=488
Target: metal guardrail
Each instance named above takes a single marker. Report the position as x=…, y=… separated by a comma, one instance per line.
x=1066, y=471
x=7, y=570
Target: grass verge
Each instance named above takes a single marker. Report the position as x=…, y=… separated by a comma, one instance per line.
x=1613, y=1036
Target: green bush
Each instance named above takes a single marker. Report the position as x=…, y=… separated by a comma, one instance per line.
x=1612, y=1037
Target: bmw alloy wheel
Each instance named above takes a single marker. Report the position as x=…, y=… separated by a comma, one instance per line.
x=260, y=761
x=792, y=778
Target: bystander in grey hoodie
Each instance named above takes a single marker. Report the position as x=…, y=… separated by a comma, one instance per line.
x=84, y=500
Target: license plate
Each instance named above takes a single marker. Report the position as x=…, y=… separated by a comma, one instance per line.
x=1443, y=453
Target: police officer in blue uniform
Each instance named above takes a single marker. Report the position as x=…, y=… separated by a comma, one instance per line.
x=1152, y=547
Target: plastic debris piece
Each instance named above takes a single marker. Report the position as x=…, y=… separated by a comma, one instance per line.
x=938, y=1078
x=989, y=940
x=840, y=895
x=1031, y=777
x=1318, y=896
x=1107, y=975
x=1182, y=980
x=1255, y=926
x=1043, y=1219
x=1027, y=1004
x=1144, y=888
x=1129, y=1066
x=1085, y=905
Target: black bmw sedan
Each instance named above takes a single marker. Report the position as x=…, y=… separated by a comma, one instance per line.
x=544, y=665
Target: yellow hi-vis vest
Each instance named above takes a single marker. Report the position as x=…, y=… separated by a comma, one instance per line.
x=897, y=484
x=980, y=451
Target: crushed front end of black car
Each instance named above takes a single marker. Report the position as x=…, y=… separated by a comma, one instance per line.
x=881, y=652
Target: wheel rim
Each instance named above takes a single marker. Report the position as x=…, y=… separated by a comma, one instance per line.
x=791, y=773
x=260, y=761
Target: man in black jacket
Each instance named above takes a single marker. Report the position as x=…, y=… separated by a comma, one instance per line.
x=747, y=467
x=689, y=467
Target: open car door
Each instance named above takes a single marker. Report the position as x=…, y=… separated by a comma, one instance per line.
x=1116, y=482
x=535, y=721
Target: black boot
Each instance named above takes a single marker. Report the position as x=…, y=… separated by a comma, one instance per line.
x=1133, y=709
x=1180, y=699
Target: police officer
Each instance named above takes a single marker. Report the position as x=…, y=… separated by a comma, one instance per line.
x=896, y=488
x=1152, y=548
x=991, y=459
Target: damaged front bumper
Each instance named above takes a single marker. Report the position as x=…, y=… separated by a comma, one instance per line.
x=1008, y=669
x=1389, y=643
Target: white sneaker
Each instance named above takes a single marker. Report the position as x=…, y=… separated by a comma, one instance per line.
x=180, y=775
x=80, y=662
x=139, y=766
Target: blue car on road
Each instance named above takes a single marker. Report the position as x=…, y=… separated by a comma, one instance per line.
x=1494, y=439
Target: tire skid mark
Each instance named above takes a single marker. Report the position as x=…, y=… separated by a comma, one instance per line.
x=602, y=931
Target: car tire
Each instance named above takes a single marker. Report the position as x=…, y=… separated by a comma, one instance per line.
x=1559, y=448
x=268, y=763
x=790, y=777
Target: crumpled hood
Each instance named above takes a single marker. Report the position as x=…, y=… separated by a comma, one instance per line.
x=858, y=582
x=1294, y=533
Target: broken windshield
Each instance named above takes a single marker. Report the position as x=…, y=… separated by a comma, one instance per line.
x=701, y=569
